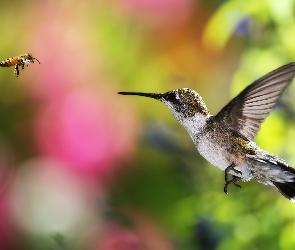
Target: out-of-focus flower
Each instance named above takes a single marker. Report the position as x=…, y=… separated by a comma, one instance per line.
x=118, y=238
x=80, y=122
x=87, y=131
x=144, y=234
x=61, y=44
x=160, y=10
x=7, y=230
x=46, y=199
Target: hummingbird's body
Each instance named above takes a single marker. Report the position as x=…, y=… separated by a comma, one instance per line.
x=221, y=147
x=226, y=139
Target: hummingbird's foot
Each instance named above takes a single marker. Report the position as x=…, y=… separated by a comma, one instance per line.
x=235, y=178
x=231, y=167
x=233, y=181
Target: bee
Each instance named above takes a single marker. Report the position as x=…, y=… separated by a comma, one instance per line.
x=18, y=61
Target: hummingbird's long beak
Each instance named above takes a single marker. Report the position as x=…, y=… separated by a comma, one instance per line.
x=151, y=95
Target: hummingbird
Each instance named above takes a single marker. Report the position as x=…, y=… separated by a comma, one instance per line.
x=226, y=139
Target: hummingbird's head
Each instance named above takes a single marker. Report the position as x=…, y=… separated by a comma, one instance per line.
x=183, y=103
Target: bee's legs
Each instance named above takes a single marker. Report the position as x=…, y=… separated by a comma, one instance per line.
x=37, y=60
x=16, y=71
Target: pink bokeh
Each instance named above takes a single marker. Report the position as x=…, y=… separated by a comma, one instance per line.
x=160, y=5
x=7, y=232
x=86, y=132
x=80, y=120
x=143, y=234
x=119, y=238
x=161, y=10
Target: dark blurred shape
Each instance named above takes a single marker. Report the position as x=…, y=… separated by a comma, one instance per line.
x=161, y=138
x=207, y=236
x=243, y=27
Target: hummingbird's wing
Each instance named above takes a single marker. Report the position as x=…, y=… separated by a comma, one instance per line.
x=248, y=110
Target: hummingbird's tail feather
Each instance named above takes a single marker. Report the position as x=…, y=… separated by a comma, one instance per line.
x=271, y=170
x=287, y=189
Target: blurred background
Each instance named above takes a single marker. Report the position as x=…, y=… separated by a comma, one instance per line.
x=84, y=168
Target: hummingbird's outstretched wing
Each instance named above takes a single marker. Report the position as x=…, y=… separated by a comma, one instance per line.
x=247, y=111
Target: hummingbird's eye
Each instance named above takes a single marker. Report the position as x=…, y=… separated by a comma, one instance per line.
x=171, y=97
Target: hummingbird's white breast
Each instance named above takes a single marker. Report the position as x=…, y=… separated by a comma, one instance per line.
x=210, y=150
x=212, y=147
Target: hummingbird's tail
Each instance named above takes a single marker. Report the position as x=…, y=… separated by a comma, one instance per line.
x=287, y=189
x=271, y=170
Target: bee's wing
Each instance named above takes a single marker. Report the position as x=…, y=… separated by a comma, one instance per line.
x=248, y=110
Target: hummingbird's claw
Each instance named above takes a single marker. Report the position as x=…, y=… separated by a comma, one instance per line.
x=233, y=181
x=235, y=178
